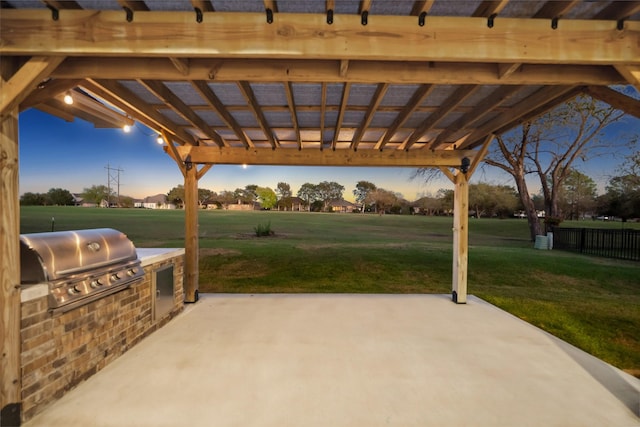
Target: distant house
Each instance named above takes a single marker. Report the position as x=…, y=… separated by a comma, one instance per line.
x=78, y=200
x=159, y=201
x=291, y=204
x=241, y=206
x=342, y=206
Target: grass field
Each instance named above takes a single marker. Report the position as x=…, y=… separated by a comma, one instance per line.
x=593, y=303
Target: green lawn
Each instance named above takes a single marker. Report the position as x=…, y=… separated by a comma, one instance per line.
x=593, y=303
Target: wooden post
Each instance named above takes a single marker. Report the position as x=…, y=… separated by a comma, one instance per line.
x=191, y=245
x=10, y=377
x=460, y=238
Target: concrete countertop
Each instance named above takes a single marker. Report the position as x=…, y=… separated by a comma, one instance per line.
x=148, y=256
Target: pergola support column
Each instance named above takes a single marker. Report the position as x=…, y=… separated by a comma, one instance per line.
x=460, y=238
x=191, y=243
x=10, y=377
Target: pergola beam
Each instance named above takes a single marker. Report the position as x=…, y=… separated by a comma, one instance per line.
x=24, y=81
x=308, y=157
x=298, y=36
x=45, y=91
x=127, y=101
x=324, y=71
x=631, y=74
x=615, y=99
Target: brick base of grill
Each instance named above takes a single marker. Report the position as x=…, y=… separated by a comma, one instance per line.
x=60, y=350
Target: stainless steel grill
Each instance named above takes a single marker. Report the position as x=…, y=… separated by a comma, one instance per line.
x=79, y=266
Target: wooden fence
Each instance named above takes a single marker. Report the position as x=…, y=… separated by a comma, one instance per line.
x=620, y=244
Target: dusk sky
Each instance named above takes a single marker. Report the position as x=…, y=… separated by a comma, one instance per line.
x=74, y=156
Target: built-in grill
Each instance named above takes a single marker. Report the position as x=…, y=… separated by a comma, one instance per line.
x=79, y=266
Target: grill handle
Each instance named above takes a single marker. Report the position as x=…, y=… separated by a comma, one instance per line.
x=92, y=266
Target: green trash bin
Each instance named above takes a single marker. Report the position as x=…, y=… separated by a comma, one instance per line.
x=542, y=242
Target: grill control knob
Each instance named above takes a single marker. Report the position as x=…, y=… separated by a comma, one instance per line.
x=132, y=272
x=95, y=283
x=71, y=291
x=77, y=289
x=115, y=276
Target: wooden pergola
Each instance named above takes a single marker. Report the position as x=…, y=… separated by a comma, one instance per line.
x=400, y=83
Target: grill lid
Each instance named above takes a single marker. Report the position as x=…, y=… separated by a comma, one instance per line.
x=58, y=255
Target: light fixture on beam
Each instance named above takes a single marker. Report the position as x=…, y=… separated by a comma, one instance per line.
x=465, y=164
x=159, y=139
x=68, y=99
x=126, y=128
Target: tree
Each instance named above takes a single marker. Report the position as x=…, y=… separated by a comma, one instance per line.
x=328, y=191
x=382, y=199
x=283, y=191
x=33, y=199
x=309, y=193
x=267, y=197
x=362, y=190
x=96, y=194
x=227, y=198
x=446, y=196
x=578, y=195
x=204, y=195
x=622, y=198
x=126, y=202
x=429, y=205
x=492, y=200
x=176, y=196
x=250, y=193
x=60, y=197
x=549, y=146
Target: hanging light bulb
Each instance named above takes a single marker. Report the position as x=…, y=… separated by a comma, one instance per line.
x=68, y=99
x=159, y=140
x=126, y=128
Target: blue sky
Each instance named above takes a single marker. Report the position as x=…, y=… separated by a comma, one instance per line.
x=74, y=156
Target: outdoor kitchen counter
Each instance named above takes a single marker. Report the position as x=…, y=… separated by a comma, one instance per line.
x=60, y=349
x=148, y=256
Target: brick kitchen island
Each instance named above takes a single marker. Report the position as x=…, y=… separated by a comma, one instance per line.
x=60, y=350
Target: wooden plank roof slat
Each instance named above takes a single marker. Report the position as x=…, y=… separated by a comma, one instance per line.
x=346, y=88
x=164, y=93
x=418, y=97
x=517, y=113
x=222, y=111
x=459, y=95
x=292, y=110
x=487, y=106
x=381, y=90
x=247, y=93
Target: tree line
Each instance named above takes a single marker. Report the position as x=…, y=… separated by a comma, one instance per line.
x=577, y=197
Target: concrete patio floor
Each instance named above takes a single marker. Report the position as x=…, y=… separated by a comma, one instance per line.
x=349, y=360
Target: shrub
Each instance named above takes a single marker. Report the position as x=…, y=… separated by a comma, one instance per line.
x=262, y=230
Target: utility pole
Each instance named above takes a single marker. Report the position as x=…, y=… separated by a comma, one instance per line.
x=113, y=178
